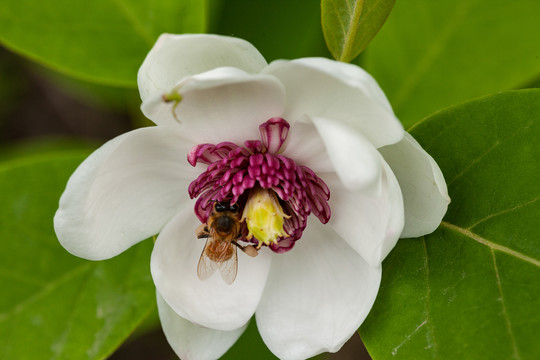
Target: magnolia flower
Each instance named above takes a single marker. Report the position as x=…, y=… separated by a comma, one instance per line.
x=321, y=173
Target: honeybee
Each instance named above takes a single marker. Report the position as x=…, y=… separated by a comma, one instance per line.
x=220, y=251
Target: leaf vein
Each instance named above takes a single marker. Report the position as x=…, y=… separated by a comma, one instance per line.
x=340, y=20
x=99, y=337
x=44, y=291
x=502, y=212
x=504, y=312
x=475, y=161
x=431, y=54
x=132, y=18
x=428, y=310
x=370, y=9
x=496, y=144
x=490, y=244
x=8, y=274
x=348, y=2
x=59, y=346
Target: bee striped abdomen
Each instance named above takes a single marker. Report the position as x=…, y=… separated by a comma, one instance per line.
x=219, y=251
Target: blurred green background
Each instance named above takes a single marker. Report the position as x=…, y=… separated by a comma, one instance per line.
x=68, y=84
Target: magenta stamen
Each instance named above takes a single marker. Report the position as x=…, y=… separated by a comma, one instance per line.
x=233, y=170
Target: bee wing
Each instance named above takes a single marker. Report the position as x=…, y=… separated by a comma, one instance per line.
x=206, y=266
x=229, y=268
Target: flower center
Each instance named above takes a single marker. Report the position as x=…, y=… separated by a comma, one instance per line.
x=264, y=217
x=274, y=194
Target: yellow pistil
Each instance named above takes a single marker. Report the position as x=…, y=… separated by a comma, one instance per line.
x=264, y=217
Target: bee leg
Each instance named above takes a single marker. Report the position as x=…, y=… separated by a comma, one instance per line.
x=202, y=231
x=248, y=249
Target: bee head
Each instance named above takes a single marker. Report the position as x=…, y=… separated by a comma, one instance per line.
x=225, y=218
x=221, y=206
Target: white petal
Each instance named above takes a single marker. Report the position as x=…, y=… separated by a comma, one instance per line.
x=210, y=303
x=317, y=295
x=191, y=341
x=354, y=158
x=124, y=192
x=224, y=104
x=424, y=189
x=174, y=57
x=325, y=88
x=306, y=147
x=371, y=223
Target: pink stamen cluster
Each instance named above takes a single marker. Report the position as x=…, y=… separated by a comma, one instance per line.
x=233, y=170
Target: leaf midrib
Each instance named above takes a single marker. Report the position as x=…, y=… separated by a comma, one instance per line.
x=490, y=244
x=503, y=306
x=350, y=35
x=134, y=21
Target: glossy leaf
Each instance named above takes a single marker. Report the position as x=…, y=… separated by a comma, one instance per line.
x=350, y=25
x=54, y=305
x=279, y=29
x=471, y=289
x=433, y=54
x=100, y=40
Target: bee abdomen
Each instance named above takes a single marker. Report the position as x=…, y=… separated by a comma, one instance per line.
x=219, y=251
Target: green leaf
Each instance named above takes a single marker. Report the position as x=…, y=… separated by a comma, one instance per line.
x=45, y=145
x=471, y=289
x=433, y=54
x=251, y=346
x=350, y=25
x=108, y=98
x=100, y=41
x=279, y=29
x=54, y=305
